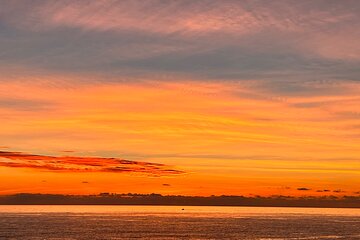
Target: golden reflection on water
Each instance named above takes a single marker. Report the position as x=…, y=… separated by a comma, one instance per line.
x=178, y=210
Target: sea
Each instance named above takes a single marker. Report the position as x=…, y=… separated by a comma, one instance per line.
x=176, y=222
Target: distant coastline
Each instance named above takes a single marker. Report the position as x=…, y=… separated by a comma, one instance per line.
x=177, y=200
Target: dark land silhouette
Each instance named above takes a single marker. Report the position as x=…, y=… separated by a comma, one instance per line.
x=157, y=199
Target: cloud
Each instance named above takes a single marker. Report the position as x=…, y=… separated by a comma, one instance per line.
x=155, y=198
x=303, y=189
x=83, y=164
x=24, y=104
x=205, y=39
x=202, y=16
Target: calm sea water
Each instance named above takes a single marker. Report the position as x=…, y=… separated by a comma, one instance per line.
x=171, y=222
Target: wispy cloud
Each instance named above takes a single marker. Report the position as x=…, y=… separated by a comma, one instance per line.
x=82, y=164
x=21, y=104
x=282, y=40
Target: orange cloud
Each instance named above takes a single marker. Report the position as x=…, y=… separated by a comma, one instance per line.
x=82, y=164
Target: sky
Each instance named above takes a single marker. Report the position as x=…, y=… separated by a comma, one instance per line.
x=180, y=97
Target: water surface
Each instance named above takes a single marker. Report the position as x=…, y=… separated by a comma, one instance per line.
x=172, y=222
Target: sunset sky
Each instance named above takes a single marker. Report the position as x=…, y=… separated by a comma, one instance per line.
x=180, y=97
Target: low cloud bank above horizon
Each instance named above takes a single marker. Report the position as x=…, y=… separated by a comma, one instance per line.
x=83, y=164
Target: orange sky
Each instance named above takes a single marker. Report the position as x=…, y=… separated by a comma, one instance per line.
x=196, y=102
x=227, y=138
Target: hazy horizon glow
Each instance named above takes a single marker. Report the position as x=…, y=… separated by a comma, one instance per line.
x=181, y=97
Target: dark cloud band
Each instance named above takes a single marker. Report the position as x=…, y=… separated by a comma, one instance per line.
x=83, y=164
